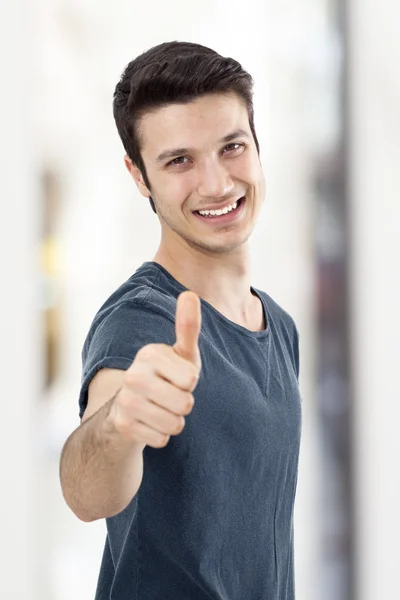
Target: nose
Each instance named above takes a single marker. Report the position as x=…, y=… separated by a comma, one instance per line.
x=214, y=180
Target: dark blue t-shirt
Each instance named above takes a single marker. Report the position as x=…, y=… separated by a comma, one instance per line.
x=213, y=517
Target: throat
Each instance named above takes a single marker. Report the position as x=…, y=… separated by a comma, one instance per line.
x=255, y=320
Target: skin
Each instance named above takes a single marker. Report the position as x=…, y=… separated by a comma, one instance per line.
x=212, y=261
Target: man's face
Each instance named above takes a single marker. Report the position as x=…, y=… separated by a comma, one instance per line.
x=202, y=155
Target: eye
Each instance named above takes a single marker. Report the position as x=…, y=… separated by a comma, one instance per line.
x=177, y=161
x=234, y=147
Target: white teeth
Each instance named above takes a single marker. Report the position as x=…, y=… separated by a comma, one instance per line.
x=217, y=213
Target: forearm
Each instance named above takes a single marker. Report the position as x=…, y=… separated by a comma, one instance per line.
x=100, y=472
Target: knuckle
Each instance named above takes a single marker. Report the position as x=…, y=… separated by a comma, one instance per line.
x=188, y=403
x=194, y=375
x=139, y=380
x=131, y=377
x=162, y=441
x=148, y=352
x=153, y=351
x=179, y=424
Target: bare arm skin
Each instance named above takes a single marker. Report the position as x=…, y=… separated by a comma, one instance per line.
x=100, y=472
x=101, y=465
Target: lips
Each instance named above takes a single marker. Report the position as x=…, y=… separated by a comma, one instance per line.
x=219, y=206
x=226, y=218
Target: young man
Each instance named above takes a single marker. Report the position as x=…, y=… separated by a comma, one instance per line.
x=190, y=405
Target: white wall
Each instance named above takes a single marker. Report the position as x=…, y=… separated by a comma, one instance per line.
x=375, y=278
x=20, y=348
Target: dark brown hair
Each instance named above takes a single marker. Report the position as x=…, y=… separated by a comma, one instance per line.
x=174, y=72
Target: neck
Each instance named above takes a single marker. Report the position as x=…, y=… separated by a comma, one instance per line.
x=221, y=279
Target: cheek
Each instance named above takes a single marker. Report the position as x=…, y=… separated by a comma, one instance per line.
x=257, y=174
x=173, y=189
x=248, y=169
x=262, y=182
x=182, y=185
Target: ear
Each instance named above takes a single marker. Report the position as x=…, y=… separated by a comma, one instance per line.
x=137, y=177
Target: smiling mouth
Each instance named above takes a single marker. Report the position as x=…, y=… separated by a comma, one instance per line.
x=209, y=215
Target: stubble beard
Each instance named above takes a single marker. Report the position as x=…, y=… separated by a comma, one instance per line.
x=201, y=244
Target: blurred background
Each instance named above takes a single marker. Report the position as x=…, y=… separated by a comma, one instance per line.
x=326, y=248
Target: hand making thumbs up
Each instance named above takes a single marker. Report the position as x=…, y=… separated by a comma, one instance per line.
x=157, y=388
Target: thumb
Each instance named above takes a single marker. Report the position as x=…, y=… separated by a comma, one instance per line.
x=187, y=327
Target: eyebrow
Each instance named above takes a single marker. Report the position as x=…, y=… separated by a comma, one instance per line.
x=172, y=152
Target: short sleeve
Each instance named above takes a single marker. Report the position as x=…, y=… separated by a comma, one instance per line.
x=114, y=341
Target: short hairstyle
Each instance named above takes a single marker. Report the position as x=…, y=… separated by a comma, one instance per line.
x=174, y=72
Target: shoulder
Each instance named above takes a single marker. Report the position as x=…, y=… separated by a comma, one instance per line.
x=140, y=304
